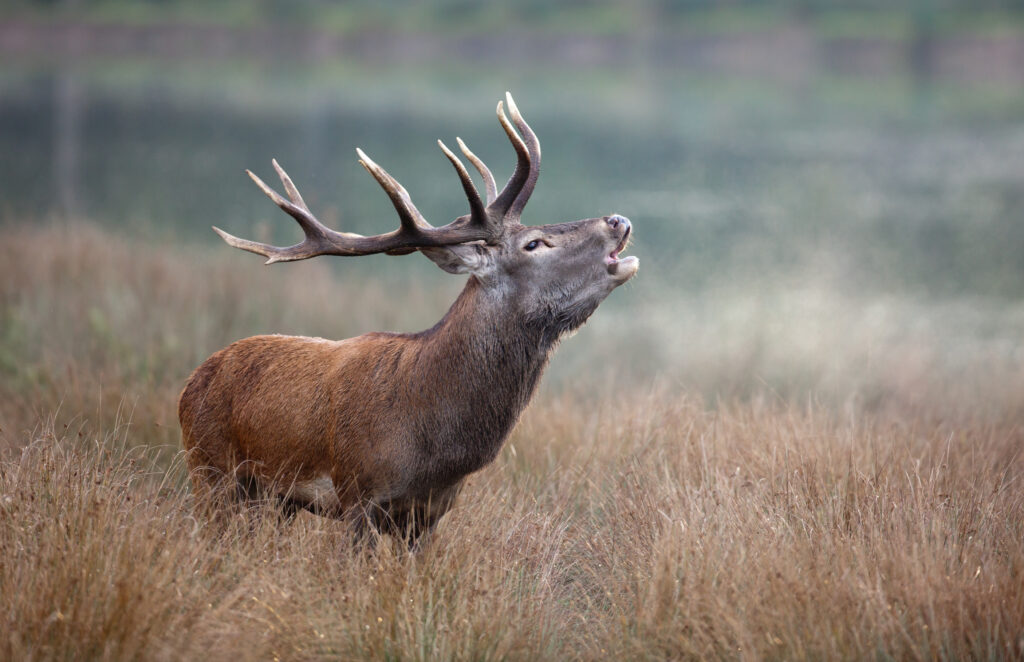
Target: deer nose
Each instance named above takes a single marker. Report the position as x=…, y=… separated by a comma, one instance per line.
x=616, y=220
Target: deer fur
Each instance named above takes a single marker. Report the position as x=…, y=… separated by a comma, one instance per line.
x=382, y=429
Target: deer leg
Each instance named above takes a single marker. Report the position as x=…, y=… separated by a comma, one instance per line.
x=290, y=509
x=431, y=513
x=421, y=524
x=415, y=521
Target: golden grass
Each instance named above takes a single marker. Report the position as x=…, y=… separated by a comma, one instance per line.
x=617, y=523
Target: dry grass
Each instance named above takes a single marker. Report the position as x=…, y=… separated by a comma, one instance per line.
x=628, y=523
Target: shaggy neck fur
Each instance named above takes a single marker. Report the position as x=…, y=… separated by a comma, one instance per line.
x=484, y=360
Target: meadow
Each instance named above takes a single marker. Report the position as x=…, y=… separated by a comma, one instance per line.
x=799, y=474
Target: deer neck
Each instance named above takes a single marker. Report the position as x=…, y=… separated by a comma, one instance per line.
x=484, y=361
x=485, y=343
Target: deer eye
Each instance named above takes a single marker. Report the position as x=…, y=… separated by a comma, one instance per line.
x=532, y=245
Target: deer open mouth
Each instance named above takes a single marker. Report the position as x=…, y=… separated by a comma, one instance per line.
x=621, y=268
x=612, y=259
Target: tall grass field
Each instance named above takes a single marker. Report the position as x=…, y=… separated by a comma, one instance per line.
x=713, y=475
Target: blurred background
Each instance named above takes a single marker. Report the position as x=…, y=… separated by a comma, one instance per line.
x=828, y=196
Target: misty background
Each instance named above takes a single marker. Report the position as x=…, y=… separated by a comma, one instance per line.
x=828, y=197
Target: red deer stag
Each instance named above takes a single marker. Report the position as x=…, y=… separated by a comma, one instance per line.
x=381, y=430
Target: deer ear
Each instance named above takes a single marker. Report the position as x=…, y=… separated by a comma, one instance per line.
x=460, y=258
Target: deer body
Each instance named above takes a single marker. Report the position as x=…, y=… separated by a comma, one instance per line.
x=382, y=429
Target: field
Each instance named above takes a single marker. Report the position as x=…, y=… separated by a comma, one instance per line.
x=863, y=499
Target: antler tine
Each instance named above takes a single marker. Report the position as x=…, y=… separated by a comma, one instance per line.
x=533, y=148
x=504, y=201
x=266, y=250
x=296, y=207
x=289, y=186
x=410, y=217
x=319, y=238
x=485, y=172
x=478, y=213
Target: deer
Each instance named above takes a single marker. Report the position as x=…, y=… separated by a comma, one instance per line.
x=381, y=430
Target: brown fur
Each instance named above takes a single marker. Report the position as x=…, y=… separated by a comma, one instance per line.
x=396, y=420
x=382, y=429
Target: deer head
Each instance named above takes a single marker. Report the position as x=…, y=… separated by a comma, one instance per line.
x=553, y=275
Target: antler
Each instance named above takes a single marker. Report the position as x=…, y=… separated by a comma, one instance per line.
x=482, y=223
x=519, y=188
x=508, y=205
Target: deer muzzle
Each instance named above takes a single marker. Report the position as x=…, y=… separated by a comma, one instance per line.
x=625, y=267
